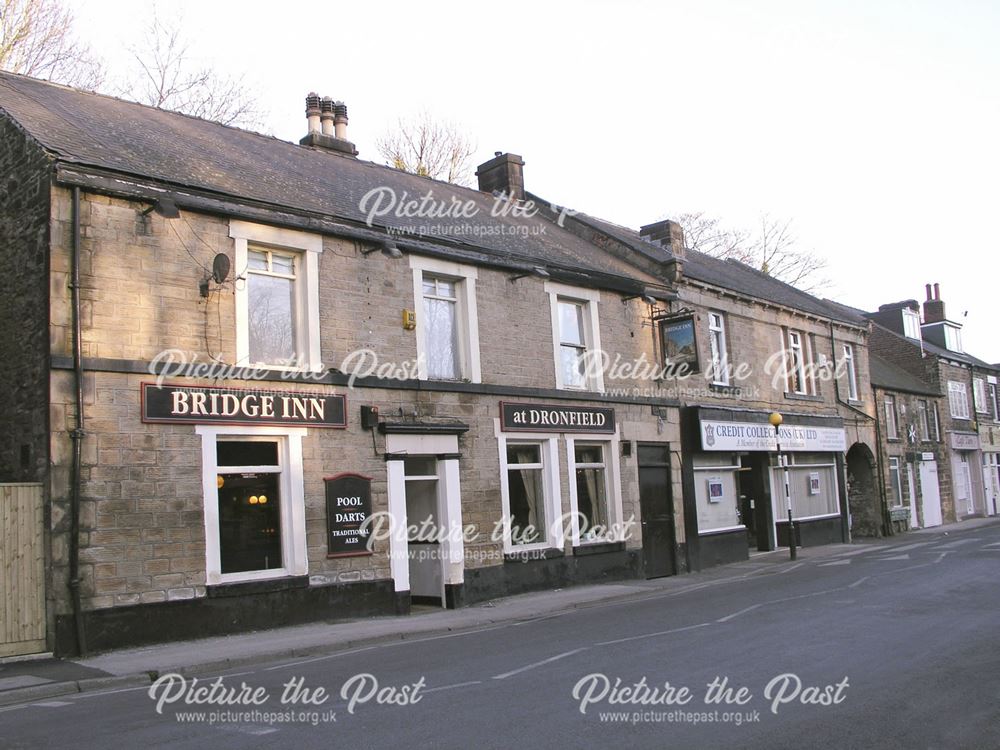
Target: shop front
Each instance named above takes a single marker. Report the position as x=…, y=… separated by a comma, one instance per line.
x=734, y=499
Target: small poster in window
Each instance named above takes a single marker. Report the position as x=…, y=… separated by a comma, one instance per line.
x=814, y=483
x=715, y=491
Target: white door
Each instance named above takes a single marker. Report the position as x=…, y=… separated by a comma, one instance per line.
x=930, y=494
x=991, y=482
x=911, y=485
x=423, y=520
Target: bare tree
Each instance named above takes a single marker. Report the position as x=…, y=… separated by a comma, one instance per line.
x=432, y=148
x=772, y=249
x=36, y=40
x=167, y=77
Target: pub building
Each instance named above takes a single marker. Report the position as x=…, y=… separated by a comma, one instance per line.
x=251, y=389
x=247, y=394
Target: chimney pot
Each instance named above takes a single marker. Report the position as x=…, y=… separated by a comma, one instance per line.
x=340, y=120
x=928, y=287
x=326, y=115
x=312, y=112
x=937, y=291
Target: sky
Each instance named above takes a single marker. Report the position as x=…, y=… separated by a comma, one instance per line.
x=874, y=127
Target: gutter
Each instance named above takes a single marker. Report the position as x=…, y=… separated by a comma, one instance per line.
x=77, y=435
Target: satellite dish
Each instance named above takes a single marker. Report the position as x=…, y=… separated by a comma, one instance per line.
x=220, y=268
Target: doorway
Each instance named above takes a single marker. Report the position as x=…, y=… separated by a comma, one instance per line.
x=991, y=482
x=424, y=530
x=930, y=496
x=754, y=501
x=656, y=504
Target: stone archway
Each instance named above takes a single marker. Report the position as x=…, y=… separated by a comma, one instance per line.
x=862, y=492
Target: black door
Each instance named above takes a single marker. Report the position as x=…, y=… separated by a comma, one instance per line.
x=657, y=507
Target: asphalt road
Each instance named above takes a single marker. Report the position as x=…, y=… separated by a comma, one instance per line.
x=894, y=645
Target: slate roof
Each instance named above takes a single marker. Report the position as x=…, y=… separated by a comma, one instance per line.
x=91, y=130
x=728, y=274
x=886, y=375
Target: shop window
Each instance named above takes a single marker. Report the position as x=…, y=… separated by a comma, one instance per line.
x=958, y=400
x=813, y=485
x=254, y=507
x=447, y=320
x=576, y=337
x=277, y=297
x=530, y=492
x=717, y=339
x=717, y=492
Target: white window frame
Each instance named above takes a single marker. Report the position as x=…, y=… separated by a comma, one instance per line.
x=612, y=479
x=958, y=399
x=467, y=315
x=924, y=418
x=894, y=473
x=935, y=422
x=994, y=400
x=717, y=345
x=911, y=324
x=589, y=299
x=979, y=396
x=952, y=338
x=294, y=552
x=549, y=450
x=795, y=340
x=852, y=373
x=891, y=417
x=308, y=247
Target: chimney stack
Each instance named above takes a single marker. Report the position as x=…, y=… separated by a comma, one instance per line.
x=326, y=115
x=503, y=173
x=933, y=307
x=312, y=112
x=327, y=123
x=668, y=234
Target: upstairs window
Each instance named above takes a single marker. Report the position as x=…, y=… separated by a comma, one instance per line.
x=924, y=419
x=798, y=364
x=979, y=395
x=911, y=324
x=891, y=425
x=277, y=296
x=953, y=338
x=852, y=374
x=717, y=339
x=958, y=400
x=994, y=403
x=447, y=330
x=576, y=337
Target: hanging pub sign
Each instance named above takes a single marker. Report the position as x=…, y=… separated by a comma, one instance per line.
x=679, y=346
x=348, y=506
x=205, y=405
x=555, y=418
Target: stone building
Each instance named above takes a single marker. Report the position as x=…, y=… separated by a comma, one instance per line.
x=262, y=383
x=930, y=348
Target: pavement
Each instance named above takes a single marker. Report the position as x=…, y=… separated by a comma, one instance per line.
x=34, y=678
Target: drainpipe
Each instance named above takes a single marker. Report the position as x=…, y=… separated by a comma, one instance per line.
x=886, y=524
x=77, y=436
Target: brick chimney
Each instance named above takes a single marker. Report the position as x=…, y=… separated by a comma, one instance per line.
x=668, y=234
x=503, y=173
x=933, y=307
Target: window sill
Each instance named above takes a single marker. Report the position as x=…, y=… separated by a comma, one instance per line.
x=531, y=554
x=802, y=397
x=597, y=548
x=266, y=586
x=725, y=389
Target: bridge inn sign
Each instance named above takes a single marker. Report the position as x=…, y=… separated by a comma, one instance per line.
x=201, y=405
